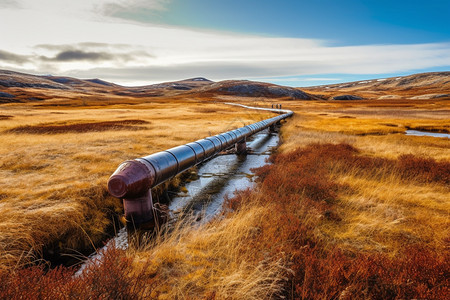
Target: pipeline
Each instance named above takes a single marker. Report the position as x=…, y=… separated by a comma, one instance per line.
x=133, y=179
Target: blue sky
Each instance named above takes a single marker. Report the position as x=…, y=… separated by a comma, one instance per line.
x=297, y=43
x=343, y=22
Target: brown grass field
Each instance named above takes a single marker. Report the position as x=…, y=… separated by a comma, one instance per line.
x=351, y=208
x=55, y=163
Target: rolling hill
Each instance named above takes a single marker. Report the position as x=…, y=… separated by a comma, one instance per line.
x=20, y=87
x=418, y=86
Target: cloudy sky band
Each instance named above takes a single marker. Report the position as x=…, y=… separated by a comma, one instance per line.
x=92, y=39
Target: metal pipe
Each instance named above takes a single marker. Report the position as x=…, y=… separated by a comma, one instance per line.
x=133, y=179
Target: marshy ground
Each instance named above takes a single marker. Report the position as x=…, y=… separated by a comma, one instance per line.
x=351, y=208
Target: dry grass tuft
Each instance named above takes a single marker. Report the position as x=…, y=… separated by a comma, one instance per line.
x=212, y=261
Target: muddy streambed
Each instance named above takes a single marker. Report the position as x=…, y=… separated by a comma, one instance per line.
x=217, y=178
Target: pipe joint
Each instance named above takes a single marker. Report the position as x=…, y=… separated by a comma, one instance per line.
x=131, y=179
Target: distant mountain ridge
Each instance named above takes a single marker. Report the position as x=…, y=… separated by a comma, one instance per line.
x=11, y=82
x=420, y=79
x=417, y=86
x=21, y=87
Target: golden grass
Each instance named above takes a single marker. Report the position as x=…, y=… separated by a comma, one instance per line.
x=53, y=181
x=211, y=261
x=241, y=255
x=377, y=212
x=385, y=214
x=375, y=131
x=383, y=211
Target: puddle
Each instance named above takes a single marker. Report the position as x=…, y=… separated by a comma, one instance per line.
x=425, y=133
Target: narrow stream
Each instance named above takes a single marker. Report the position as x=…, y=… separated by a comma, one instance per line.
x=426, y=133
x=218, y=177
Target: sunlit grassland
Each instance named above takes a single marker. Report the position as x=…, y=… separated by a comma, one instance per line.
x=383, y=209
x=375, y=129
x=341, y=213
x=54, y=168
x=351, y=208
x=365, y=218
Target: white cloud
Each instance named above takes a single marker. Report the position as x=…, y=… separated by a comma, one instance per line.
x=157, y=53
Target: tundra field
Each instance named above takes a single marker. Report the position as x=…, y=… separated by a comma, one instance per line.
x=350, y=208
x=55, y=163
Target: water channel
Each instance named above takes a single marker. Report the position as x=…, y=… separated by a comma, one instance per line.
x=223, y=175
x=426, y=133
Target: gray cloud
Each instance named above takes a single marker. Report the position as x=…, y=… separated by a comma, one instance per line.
x=77, y=55
x=105, y=45
x=9, y=4
x=53, y=47
x=13, y=58
x=94, y=52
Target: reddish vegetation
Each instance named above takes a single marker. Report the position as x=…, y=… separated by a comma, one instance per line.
x=420, y=273
x=299, y=191
x=112, y=278
x=423, y=169
x=80, y=127
x=315, y=161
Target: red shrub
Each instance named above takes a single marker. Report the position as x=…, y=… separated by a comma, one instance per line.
x=423, y=169
x=110, y=278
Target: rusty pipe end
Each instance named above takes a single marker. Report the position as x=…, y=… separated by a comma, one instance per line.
x=132, y=178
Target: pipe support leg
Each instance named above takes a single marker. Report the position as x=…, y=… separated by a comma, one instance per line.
x=241, y=147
